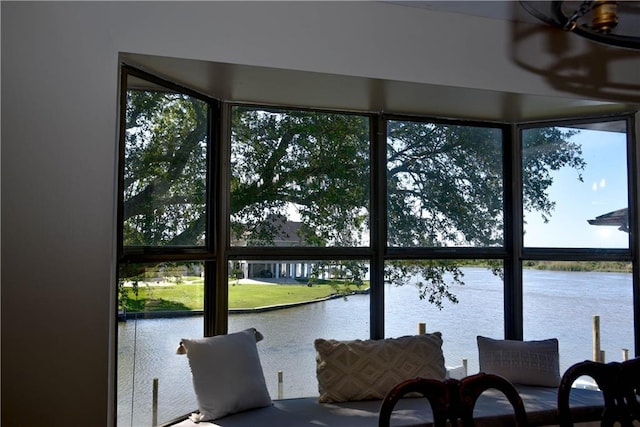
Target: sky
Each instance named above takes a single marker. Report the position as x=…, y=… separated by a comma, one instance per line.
x=604, y=189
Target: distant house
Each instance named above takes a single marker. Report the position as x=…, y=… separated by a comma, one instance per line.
x=619, y=218
x=281, y=232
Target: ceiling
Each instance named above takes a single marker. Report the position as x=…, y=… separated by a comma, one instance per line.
x=506, y=10
x=272, y=86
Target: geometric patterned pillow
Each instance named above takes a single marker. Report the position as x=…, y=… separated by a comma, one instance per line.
x=521, y=362
x=369, y=369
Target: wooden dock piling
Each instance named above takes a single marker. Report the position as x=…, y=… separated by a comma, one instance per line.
x=422, y=328
x=154, y=400
x=280, y=385
x=598, y=355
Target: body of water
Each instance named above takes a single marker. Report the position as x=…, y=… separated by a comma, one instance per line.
x=557, y=304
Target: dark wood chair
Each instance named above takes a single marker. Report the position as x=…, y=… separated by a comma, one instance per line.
x=436, y=392
x=472, y=387
x=453, y=400
x=619, y=383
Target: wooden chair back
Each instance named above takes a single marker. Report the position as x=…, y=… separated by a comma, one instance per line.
x=472, y=387
x=619, y=383
x=453, y=400
x=436, y=392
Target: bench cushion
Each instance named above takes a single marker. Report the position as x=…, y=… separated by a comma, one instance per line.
x=492, y=410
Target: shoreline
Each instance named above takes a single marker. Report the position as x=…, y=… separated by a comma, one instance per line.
x=160, y=314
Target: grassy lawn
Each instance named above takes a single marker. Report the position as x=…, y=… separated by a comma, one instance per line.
x=186, y=296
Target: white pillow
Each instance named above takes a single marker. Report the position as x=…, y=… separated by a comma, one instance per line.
x=364, y=370
x=227, y=374
x=521, y=362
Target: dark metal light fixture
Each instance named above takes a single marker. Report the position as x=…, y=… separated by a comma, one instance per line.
x=615, y=23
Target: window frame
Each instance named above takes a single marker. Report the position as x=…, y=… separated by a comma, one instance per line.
x=169, y=253
x=217, y=252
x=630, y=254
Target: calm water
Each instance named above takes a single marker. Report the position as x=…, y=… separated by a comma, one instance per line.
x=557, y=304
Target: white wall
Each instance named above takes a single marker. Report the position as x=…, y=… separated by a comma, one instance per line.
x=59, y=133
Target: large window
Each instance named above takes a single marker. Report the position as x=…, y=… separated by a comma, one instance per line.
x=570, y=299
x=299, y=178
x=445, y=185
x=299, y=184
x=165, y=243
x=324, y=299
x=580, y=199
x=313, y=224
x=474, y=306
x=165, y=168
x=159, y=304
x=577, y=278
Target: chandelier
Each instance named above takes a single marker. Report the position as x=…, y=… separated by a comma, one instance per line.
x=615, y=23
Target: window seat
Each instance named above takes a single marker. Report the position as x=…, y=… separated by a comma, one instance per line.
x=492, y=410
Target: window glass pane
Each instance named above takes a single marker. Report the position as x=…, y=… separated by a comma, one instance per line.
x=165, y=164
x=299, y=179
x=562, y=298
x=575, y=187
x=159, y=304
x=314, y=299
x=444, y=185
x=460, y=299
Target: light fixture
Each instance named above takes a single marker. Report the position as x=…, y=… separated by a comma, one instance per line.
x=615, y=23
